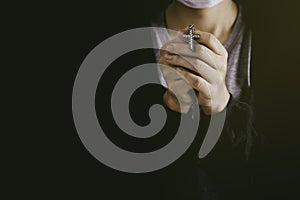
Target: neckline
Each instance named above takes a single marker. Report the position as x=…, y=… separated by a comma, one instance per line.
x=236, y=29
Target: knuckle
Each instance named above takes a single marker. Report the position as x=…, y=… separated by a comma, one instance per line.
x=225, y=53
x=201, y=48
x=197, y=83
x=197, y=65
x=193, y=62
x=206, y=102
x=210, y=38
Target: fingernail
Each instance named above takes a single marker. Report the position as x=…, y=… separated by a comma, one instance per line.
x=168, y=56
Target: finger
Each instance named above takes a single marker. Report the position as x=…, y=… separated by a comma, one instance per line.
x=174, y=79
x=192, y=64
x=207, y=39
x=180, y=90
x=205, y=103
x=173, y=103
x=197, y=82
x=168, y=47
x=181, y=97
x=201, y=52
x=211, y=42
x=169, y=73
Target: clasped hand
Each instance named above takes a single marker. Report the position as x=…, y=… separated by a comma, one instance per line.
x=203, y=70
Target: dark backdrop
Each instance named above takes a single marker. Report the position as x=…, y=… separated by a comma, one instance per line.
x=53, y=39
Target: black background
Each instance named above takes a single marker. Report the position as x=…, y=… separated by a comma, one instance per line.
x=47, y=42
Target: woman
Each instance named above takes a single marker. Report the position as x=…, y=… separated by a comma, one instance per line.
x=219, y=71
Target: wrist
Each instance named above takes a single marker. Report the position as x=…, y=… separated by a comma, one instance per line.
x=219, y=107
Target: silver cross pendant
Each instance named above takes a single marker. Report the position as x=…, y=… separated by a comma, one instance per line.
x=190, y=36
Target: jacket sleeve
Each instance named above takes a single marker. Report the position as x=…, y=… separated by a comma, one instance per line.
x=239, y=132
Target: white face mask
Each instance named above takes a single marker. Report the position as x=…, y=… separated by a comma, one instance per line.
x=200, y=3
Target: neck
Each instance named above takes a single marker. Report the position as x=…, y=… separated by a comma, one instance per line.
x=217, y=20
